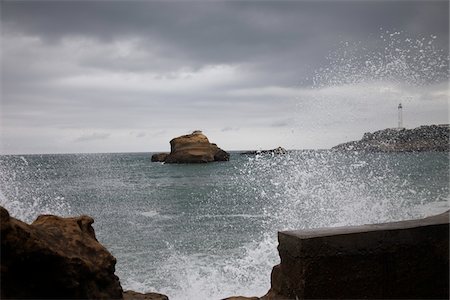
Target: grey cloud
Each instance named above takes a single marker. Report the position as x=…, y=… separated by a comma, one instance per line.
x=92, y=137
x=229, y=129
x=194, y=34
x=111, y=66
x=282, y=123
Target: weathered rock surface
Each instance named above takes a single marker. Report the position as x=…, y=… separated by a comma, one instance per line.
x=56, y=258
x=192, y=148
x=131, y=295
x=276, y=151
x=423, y=138
x=408, y=260
x=159, y=157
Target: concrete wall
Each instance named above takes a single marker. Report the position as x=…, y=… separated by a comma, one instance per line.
x=408, y=260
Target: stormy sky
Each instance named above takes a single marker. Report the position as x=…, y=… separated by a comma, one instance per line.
x=116, y=76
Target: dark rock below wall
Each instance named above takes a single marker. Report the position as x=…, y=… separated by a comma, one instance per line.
x=56, y=258
x=131, y=295
x=408, y=260
x=423, y=138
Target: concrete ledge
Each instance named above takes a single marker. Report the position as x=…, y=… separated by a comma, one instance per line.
x=408, y=259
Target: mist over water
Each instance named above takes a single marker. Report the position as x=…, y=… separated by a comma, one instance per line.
x=209, y=231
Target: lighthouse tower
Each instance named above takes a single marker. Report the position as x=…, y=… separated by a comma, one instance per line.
x=400, y=116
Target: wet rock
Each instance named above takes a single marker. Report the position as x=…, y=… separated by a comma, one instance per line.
x=219, y=154
x=423, y=138
x=55, y=258
x=408, y=260
x=131, y=295
x=276, y=151
x=159, y=157
x=194, y=148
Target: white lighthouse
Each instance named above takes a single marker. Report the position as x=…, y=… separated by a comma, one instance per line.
x=400, y=116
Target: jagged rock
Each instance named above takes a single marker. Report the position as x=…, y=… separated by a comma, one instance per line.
x=131, y=295
x=57, y=258
x=399, y=260
x=276, y=151
x=423, y=138
x=219, y=154
x=159, y=157
x=193, y=148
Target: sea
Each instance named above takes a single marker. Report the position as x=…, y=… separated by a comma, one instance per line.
x=209, y=231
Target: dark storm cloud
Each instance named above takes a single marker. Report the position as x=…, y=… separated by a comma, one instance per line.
x=286, y=35
x=142, y=66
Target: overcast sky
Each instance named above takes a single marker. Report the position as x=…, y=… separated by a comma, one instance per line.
x=113, y=76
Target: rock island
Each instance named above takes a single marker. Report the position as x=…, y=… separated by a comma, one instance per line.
x=192, y=148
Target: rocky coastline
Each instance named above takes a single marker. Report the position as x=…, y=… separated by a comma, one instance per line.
x=60, y=258
x=276, y=151
x=191, y=148
x=420, y=139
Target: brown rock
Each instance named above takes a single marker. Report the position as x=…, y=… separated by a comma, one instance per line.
x=241, y=298
x=159, y=157
x=132, y=295
x=55, y=258
x=194, y=148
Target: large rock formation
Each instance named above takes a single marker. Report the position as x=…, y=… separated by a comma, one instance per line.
x=192, y=148
x=423, y=138
x=56, y=258
x=408, y=260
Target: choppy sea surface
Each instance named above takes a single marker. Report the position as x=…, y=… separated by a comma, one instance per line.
x=209, y=231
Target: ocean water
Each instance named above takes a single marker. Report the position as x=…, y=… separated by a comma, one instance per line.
x=209, y=231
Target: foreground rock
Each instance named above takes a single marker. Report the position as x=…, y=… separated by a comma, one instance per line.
x=423, y=138
x=276, y=151
x=192, y=148
x=408, y=260
x=55, y=258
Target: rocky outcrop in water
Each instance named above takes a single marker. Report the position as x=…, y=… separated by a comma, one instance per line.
x=56, y=258
x=423, y=138
x=159, y=157
x=192, y=148
x=276, y=151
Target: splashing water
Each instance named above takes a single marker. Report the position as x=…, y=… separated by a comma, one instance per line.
x=23, y=194
x=312, y=189
x=209, y=232
x=394, y=57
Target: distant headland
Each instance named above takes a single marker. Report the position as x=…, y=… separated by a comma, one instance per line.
x=420, y=139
